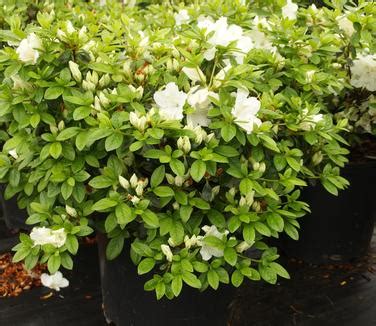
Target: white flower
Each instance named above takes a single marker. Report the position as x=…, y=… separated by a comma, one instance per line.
x=102, y=2
x=290, y=10
x=244, y=45
x=181, y=17
x=194, y=74
x=54, y=281
x=309, y=121
x=346, y=25
x=207, y=251
x=209, y=54
x=363, y=72
x=28, y=49
x=170, y=102
x=42, y=236
x=13, y=153
x=245, y=111
x=167, y=252
x=263, y=22
x=198, y=98
x=69, y=27
x=260, y=41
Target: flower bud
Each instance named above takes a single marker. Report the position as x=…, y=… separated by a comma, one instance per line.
x=243, y=246
x=179, y=181
x=262, y=167
x=70, y=211
x=232, y=192
x=61, y=125
x=167, y=252
x=124, y=182
x=215, y=191
x=175, y=206
x=104, y=81
x=75, y=70
x=135, y=200
x=13, y=153
x=190, y=242
x=317, y=158
x=103, y=99
x=256, y=206
x=54, y=130
x=139, y=189
x=134, y=181
x=88, y=86
x=171, y=242
x=184, y=144
x=170, y=179
x=256, y=166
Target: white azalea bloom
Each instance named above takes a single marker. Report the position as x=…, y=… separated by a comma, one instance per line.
x=194, y=74
x=55, y=281
x=199, y=99
x=309, y=121
x=245, y=111
x=167, y=252
x=59, y=237
x=28, y=49
x=209, y=54
x=290, y=10
x=13, y=153
x=263, y=22
x=206, y=251
x=102, y=2
x=170, y=102
x=181, y=17
x=41, y=236
x=260, y=41
x=205, y=23
x=345, y=25
x=363, y=72
x=244, y=45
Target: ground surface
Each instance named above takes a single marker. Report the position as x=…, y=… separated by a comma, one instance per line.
x=342, y=295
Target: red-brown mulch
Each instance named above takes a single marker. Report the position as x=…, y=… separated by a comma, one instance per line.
x=14, y=278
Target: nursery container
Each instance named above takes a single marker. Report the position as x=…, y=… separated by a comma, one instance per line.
x=13, y=216
x=340, y=227
x=126, y=303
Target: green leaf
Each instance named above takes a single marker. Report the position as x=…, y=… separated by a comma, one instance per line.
x=81, y=112
x=177, y=167
x=72, y=244
x=124, y=214
x=216, y=218
x=163, y=191
x=55, y=150
x=293, y=163
x=66, y=190
x=66, y=261
x=227, y=151
x=213, y=279
x=177, y=285
x=237, y=278
x=104, y=204
x=249, y=234
x=262, y=229
x=145, y=266
x=230, y=256
x=114, y=141
x=101, y=182
x=291, y=231
x=191, y=280
x=198, y=170
x=157, y=176
x=150, y=218
x=228, y=132
x=275, y=221
x=114, y=247
x=68, y=133
x=279, y=270
x=21, y=254
x=53, y=263
x=330, y=187
x=53, y=92
x=199, y=203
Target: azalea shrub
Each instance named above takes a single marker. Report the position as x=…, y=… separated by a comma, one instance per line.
x=183, y=133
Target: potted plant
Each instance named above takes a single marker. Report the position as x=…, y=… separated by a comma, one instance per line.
x=345, y=223
x=182, y=135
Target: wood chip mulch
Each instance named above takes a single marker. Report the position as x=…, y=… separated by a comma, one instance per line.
x=14, y=278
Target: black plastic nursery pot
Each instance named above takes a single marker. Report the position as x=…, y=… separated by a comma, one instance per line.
x=13, y=216
x=126, y=303
x=340, y=227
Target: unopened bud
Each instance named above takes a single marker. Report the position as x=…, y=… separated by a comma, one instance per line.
x=88, y=86
x=175, y=206
x=70, y=211
x=75, y=70
x=256, y=206
x=262, y=167
x=256, y=166
x=104, y=81
x=179, y=181
x=170, y=179
x=243, y=246
x=134, y=181
x=124, y=182
x=184, y=144
x=317, y=158
x=61, y=125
